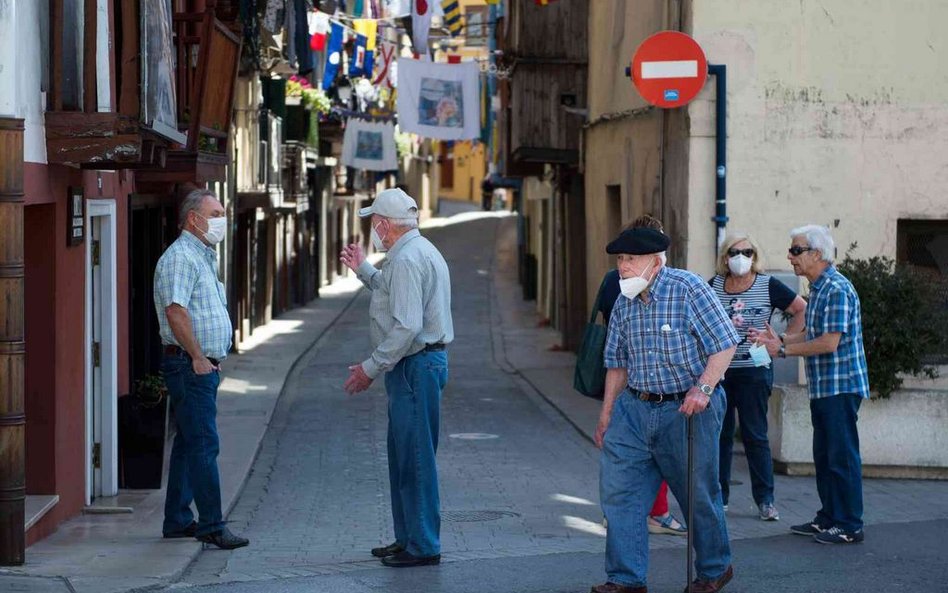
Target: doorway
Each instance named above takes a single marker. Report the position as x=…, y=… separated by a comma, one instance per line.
x=101, y=352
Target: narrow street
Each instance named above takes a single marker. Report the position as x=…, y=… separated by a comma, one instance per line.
x=519, y=483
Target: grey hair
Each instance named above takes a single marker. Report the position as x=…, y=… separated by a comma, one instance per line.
x=405, y=223
x=193, y=201
x=819, y=238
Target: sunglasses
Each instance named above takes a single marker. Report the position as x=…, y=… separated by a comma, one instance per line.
x=796, y=250
x=744, y=252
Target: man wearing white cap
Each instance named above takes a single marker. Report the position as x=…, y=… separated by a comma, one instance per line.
x=410, y=325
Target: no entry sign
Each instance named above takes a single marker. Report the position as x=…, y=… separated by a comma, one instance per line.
x=669, y=69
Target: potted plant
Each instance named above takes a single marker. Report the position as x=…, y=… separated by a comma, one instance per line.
x=142, y=426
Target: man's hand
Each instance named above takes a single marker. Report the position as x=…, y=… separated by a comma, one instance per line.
x=768, y=339
x=695, y=402
x=202, y=366
x=352, y=256
x=601, y=430
x=357, y=381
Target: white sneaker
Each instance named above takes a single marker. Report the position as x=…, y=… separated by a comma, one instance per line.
x=767, y=512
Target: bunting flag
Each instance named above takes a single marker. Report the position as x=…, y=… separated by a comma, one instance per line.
x=421, y=14
x=333, y=55
x=438, y=100
x=493, y=1
x=452, y=16
x=369, y=145
x=383, y=76
x=542, y=2
x=357, y=63
x=369, y=28
x=318, y=30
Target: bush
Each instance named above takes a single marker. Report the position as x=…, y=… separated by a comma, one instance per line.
x=904, y=319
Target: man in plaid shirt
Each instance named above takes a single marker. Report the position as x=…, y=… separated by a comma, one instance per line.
x=838, y=382
x=668, y=346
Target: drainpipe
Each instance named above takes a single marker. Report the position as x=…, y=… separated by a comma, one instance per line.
x=12, y=345
x=720, y=152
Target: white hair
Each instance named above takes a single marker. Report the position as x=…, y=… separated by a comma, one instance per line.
x=193, y=201
x=405, y=223
x=819, y=238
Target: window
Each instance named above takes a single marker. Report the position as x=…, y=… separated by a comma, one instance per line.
x=924, y=245
x=476, y=26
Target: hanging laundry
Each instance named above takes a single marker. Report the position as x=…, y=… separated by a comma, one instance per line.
x=272, y=18
x=383, y=76
x=452, y=16
x=333, y=55
x=396, y=8
x=369, y=145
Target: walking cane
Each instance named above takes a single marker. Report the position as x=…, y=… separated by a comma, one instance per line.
x=691, y=496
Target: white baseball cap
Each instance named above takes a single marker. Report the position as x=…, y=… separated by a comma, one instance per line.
x=392, y=203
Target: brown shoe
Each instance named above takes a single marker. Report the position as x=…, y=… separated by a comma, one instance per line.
x=703, y=586
x=617, y=588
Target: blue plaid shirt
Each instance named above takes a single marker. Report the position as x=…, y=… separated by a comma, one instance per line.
x=665, y=344
x=834, y=307
x=187, y=274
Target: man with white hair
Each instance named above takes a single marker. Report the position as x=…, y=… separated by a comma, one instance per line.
x=838, y=382
x=410, y=327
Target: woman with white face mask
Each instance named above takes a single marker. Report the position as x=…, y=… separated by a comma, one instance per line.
x=749, y=297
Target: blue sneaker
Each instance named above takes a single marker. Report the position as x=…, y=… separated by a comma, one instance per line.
x=835, y=535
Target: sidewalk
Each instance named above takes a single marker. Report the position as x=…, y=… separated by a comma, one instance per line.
x=121, y=550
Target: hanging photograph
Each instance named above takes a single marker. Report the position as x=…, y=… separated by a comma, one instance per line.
x=369, y=145
x=438, y=100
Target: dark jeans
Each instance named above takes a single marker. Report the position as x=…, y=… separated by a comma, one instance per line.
x=193, y=473
x=837, y=461
x=747, y=392
x=414, y=417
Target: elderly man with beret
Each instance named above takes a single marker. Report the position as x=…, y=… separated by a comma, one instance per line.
x=668, y=345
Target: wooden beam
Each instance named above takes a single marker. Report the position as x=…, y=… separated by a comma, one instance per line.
x=129, y=99
x=12, y=346
x=90, y=95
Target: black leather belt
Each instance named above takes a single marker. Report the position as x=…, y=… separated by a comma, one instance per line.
x=438, y=347
x=657, y=397
x=172, y=350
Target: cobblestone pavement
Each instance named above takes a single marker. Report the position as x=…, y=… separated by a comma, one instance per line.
x=519, y=483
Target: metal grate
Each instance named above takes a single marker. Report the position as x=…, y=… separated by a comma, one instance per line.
x=476, y=516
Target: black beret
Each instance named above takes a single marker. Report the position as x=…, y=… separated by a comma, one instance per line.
x=639, y=241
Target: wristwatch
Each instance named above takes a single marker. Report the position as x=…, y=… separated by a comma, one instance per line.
x=706, y=389
x=782, y=353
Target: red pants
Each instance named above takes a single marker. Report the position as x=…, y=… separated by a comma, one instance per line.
x=661, y=501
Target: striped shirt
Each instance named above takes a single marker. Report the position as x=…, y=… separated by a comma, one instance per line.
x=186, y=275
x=752, y=308
x=834, y=308
x=411, y=302
x=665, y=344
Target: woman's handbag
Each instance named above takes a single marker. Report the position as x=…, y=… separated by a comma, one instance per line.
x=589, y=378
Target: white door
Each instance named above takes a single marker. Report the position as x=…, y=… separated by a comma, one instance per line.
x=101, y=358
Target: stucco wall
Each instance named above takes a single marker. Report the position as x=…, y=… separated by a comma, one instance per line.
x=836, y=115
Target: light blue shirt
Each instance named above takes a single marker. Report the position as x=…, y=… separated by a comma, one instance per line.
x=411, y=302
x=187, y=275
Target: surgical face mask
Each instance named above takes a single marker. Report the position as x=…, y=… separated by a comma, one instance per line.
x=739, y=264
x=377, y=240
x=759, y=355
x=216, y=229
x=632, y=287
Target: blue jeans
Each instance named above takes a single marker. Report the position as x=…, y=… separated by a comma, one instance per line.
x=837, y=461
x=747, y=391
x=193, y=473
x=645, y=443
x=414, y=417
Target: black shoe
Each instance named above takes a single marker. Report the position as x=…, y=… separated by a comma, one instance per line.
x=389, y=550
x=404, y=560
x=223, y=539
x=189, y=531
x=810, y=529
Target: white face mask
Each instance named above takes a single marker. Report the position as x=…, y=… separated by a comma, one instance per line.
x=739, y=264
x=632, y=287
x=216, y=229
x=377, y=240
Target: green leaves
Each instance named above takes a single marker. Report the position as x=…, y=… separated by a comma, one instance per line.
x=904, y=315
